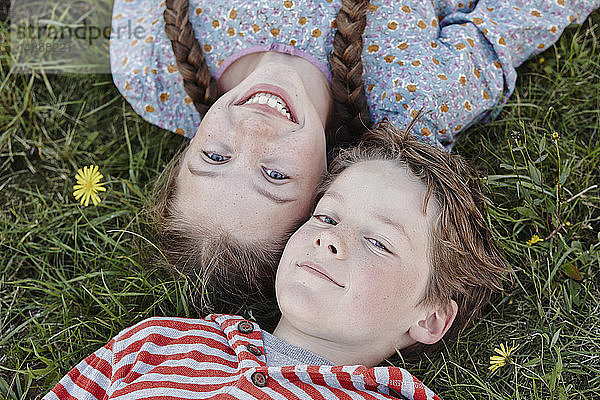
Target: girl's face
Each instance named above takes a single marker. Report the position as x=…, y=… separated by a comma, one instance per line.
x=356, y=271
x=255, y=162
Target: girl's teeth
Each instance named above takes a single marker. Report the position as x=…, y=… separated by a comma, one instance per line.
x=272, y=101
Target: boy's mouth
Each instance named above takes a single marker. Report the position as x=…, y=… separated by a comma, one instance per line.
x=319, y=271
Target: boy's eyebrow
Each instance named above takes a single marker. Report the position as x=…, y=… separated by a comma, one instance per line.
x=386, y=220
x=382, y=218
x=335, y=195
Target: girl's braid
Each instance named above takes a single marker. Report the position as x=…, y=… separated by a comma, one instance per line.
x=197, y=80
x=349, y=100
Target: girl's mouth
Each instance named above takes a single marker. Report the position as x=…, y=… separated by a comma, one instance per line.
x=269, y=99
x=272, y=101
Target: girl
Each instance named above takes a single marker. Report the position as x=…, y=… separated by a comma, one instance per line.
x=254, y=83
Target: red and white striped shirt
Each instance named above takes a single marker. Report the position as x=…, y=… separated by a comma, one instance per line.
x=221, y=356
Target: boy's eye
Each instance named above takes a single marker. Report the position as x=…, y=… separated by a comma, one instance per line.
x=325, y=219
x=216, y=157
x=377, y=243
x=273, y=174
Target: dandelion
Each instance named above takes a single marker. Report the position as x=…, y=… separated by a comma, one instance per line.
x=534, y=239
x=88, y=185
x=555, y=135
x=567, y=223
x=503, y=357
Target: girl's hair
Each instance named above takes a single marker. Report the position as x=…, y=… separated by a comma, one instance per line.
x=350, y=108
x=466, y=265
x=197, y=80
x=226, y=265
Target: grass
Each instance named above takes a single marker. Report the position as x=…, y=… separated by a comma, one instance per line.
x=73, y=277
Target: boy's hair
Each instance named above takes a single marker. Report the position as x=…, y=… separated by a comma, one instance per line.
x=466, y=265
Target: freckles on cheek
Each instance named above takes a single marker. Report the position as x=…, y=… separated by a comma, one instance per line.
x=389, y=287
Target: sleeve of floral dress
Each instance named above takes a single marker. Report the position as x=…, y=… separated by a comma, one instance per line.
x=144, y=68
x=459, y=66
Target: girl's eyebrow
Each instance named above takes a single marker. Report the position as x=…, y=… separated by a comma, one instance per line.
x=200, y=172
x=271, y=196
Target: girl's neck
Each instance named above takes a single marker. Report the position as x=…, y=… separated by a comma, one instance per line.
x=238, y=71
x=243, y=66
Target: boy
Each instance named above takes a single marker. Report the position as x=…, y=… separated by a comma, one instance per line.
x=396, y=254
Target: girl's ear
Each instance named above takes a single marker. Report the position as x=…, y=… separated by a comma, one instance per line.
x=433, y=327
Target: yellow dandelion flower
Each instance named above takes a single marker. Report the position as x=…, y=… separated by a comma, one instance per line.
x=555, y=135
x=503, y=357
x=88, y=185
x=534, y=239
x=567, y=223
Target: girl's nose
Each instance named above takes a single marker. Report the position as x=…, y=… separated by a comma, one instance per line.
x=256, y=128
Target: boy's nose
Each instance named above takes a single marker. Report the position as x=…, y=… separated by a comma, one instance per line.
x=330, y=247
x=331, y=242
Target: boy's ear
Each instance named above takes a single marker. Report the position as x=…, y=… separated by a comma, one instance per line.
x=433, y=327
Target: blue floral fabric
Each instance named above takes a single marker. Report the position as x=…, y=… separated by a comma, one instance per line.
x=454, y=59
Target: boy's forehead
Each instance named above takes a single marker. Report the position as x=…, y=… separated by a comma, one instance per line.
x=374, y=177
x=382, y=188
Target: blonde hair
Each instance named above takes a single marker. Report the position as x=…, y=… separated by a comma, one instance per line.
x=466, y=265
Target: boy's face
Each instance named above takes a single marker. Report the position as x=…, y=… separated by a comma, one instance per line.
x=356, y=271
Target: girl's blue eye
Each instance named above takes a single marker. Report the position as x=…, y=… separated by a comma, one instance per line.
x=325, y=219
x=377, y=243
x=216, y=157
x=273, y=174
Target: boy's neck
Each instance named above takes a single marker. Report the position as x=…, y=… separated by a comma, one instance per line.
x=337, y=353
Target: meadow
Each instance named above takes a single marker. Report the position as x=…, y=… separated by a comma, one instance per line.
x=72, y=277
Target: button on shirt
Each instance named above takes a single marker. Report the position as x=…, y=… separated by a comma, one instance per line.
x=245, y=327
x=200, y=358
